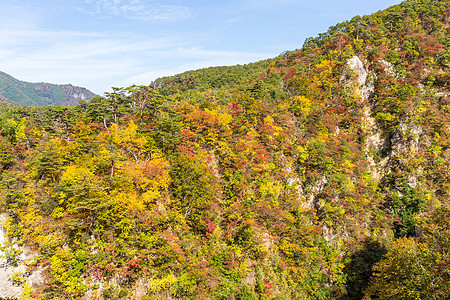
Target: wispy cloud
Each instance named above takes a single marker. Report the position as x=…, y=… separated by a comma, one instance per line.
x=99, y=61
x=140, y=10
x=93, y=60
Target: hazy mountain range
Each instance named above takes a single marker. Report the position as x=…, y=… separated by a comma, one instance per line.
x=22, y=93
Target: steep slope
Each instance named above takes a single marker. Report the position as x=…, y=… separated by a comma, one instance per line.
x=213, y=77
x=320, y=174
x=25, y=93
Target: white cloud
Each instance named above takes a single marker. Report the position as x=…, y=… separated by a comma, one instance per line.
x=198, y=58
x=100, y=60
x=92, y=60
x=140, y=10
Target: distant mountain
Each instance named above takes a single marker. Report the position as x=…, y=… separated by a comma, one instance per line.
x=23, y=93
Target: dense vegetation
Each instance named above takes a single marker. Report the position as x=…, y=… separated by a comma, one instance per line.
x=320, y=174
x=26, y=93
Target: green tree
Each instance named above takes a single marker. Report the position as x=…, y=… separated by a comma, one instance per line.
x=416, y=268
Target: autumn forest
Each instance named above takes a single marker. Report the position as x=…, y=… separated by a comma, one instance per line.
x=319, y=174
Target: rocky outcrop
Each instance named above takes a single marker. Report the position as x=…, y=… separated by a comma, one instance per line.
x=375, y=141
x=365, y=85
x=14, y=263
x=8, y=289
x=405, y=139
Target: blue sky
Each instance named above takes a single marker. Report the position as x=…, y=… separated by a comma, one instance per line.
x=99, y=44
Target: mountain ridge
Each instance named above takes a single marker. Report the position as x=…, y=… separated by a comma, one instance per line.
x=18, y=92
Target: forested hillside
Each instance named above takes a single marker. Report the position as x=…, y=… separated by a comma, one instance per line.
x=319, y=174
x=19, y=92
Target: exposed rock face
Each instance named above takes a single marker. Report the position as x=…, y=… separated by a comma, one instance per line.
x=374, y=139
x=406, y=138
x=365, y=86
x=8, y=288
x=404, y=144
x=387, y=67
